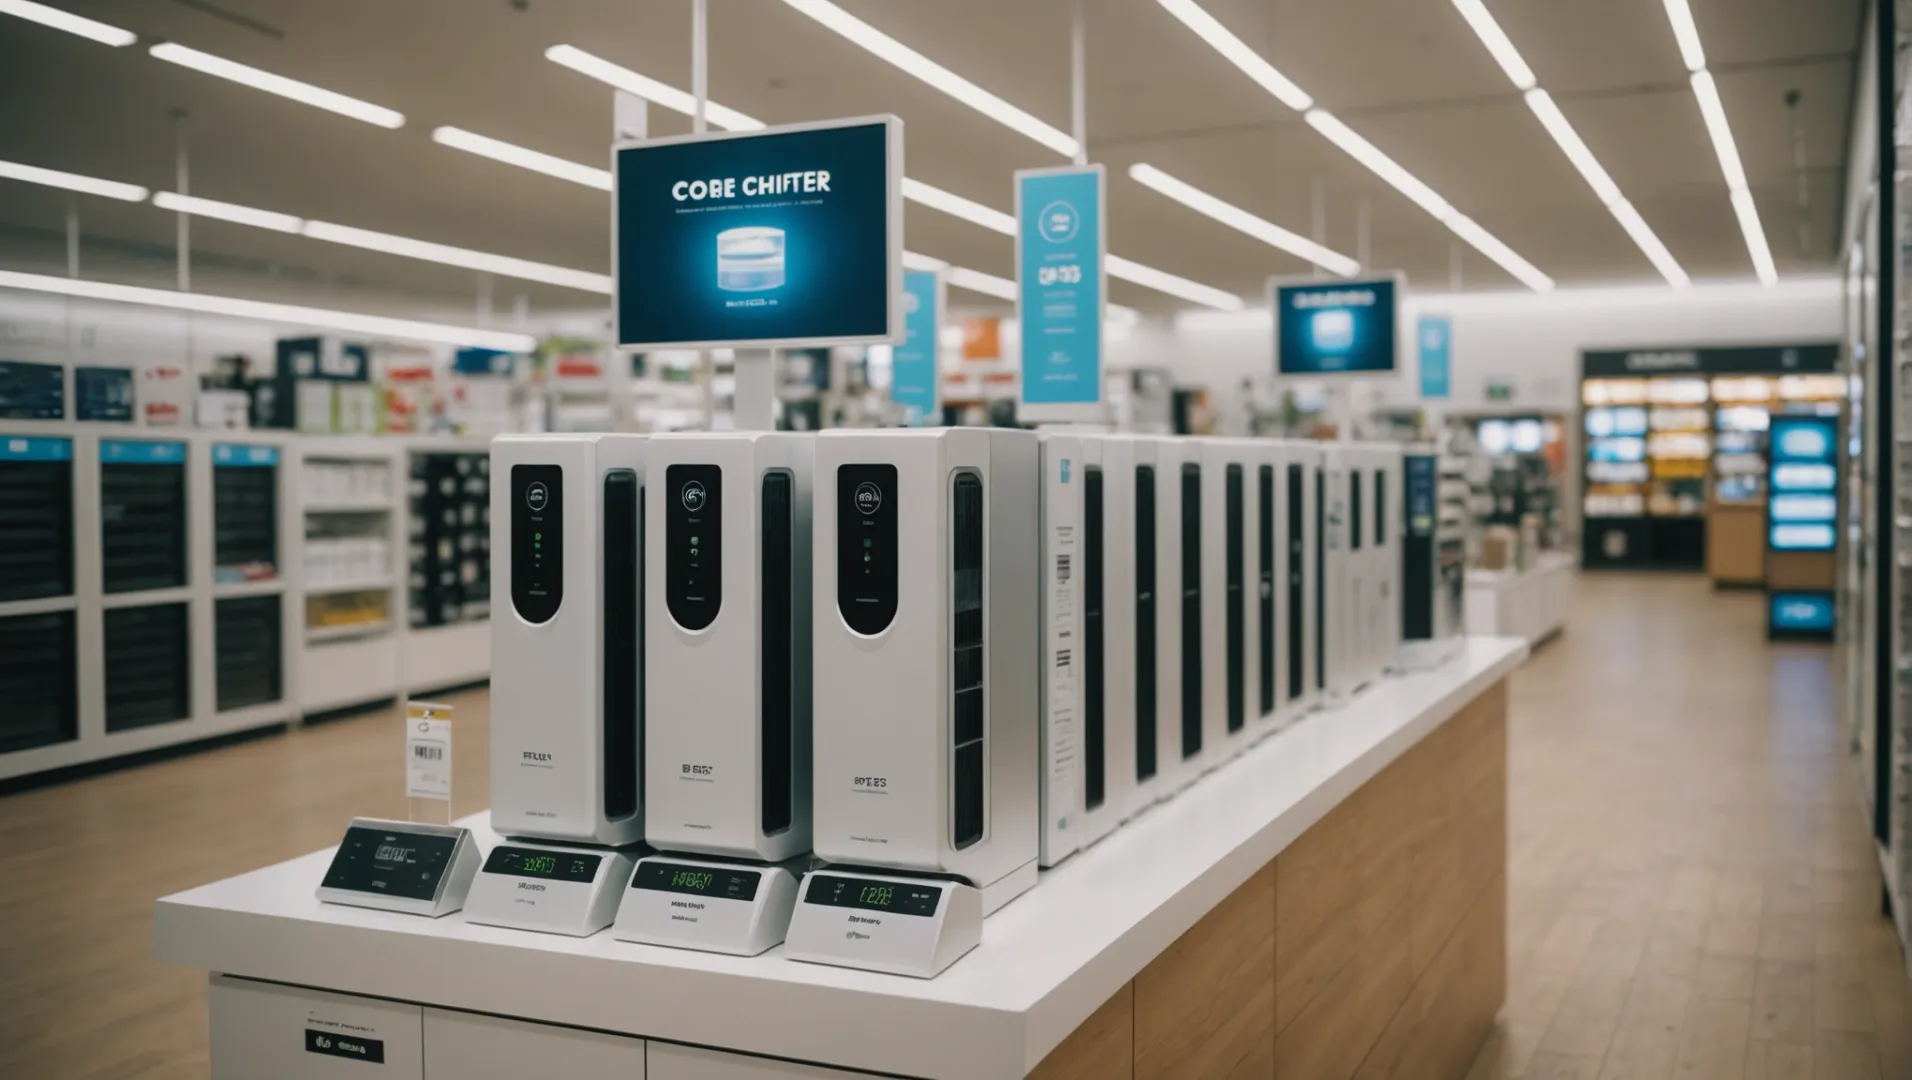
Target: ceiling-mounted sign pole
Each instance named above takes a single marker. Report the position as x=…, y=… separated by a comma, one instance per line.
x=184, y=240
x=1078, y=78
x=1320, y=219
x=754, y=371
x=72, y=239
x=1363, y=231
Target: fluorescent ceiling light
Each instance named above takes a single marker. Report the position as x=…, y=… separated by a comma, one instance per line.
x=1239, y=54
x=502, y=265
x=1378, y=163
x=909, y=60
x=649, y=89
x=1487, y=244
x=318, y=318
x=1649, y=243
x=241, y=215
x=1687, y=33
x=917, y=261
x=67, y=21
x=977, y=281
x=1714, y=114
x=973, y=212
x=305, y=93
x=496, y=150
x=1161, y=281
x=1492, y=36
x=1242, y=221
x=33, y=174
x=1749, y=227
x=1563, y=133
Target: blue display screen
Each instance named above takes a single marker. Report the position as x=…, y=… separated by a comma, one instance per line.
x=1802, y=613
x=774, y=237
x=1803, y=481
x=1336, y=328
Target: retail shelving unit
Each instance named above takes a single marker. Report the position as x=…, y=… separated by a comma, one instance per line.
x=166, y=586
x=447, y=636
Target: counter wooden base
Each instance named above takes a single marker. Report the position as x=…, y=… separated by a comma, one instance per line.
x=1373, y=947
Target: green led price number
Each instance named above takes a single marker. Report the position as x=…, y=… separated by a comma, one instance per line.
x=692, y=879
x=876, y=895
x=1061, y=274
x=540, y=864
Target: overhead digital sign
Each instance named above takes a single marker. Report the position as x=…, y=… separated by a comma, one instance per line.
x=1336, y=327
x=787, y=236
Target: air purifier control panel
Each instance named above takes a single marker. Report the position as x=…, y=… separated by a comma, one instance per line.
x=899, y=925
x=401, y=866
x=706, y=905
x=693, y=544
x=866, y=546
x=551, y=889
x=537, y=541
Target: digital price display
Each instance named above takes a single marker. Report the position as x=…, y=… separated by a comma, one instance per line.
x=1338, y=328
x=721, y=884
x=390, y=863
x=897, y=898
x=547, y=865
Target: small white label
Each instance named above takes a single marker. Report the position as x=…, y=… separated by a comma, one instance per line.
x=1064, y=751
x=427, y=751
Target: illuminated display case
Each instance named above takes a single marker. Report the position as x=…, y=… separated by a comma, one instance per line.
x=1802, y=515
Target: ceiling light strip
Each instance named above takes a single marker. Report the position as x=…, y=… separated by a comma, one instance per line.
x=305, y=93
x=1237, y=52
x=318, y=318
x=484, y=262
x=224, y=211
x=1242, y=221
x=511, y=154
x=1497, y=42
x=1161, y=281
x=65, y=20
x=88, y=185
x=1713, y=111
x=1687, y=33
x=914, y=63
x=649, y=89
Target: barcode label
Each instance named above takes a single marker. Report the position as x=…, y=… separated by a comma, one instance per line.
x=1062, y=569
x=427, y=752
x=1063, y=657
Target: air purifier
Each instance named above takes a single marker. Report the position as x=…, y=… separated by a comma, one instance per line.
x=567, y=542
x=1087, y=714
x=928, y=654
x=1229, y=625
x=1179, y=543
x=1144, y=523
x=1264, y=592
x=1433, y=559
x=1338, y=488
x=1299, y=656
x=1383, y=642
x=727, y=663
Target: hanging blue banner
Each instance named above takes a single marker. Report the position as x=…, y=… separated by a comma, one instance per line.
x=1061, y=294
x=914, y=378
x=1434, y=340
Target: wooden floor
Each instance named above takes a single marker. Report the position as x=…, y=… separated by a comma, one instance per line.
x=1692, y=895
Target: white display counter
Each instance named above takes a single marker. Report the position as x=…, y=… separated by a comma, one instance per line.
x=1047, y=962
x=1531, y=604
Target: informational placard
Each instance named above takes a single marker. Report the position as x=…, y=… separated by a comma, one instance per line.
x=1061, y=291
x=1434, y=338
x=427, y=751
x=915, y=378
x=1331, y=328
x=783, y=237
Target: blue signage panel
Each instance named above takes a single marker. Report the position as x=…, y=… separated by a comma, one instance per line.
x=914, y=379
x=1802, y=613
x=1803, y=482
x=1060, y=243
x=142, y=452
x=789, y=236
x=1434, y=337
x=1336, y=327
x=16, y=448
x=235, y=455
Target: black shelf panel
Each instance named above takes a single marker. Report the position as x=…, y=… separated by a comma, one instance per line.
x=37, y=666
x=142, y=515
x=148, y=666
x=36, y=518
x=245, y=507
x=450, y=555
x=249, y=653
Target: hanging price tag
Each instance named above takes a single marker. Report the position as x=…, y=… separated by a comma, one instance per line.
x=427, y=751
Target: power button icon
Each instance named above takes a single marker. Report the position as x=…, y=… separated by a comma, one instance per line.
x=869, y=497
x=692, y=496
x=537, y=495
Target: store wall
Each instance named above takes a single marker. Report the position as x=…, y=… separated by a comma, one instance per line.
x=1530, y=341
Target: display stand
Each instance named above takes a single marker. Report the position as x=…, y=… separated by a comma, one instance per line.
x=1532, y=604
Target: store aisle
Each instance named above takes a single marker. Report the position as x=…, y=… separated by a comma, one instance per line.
x=1693, y=890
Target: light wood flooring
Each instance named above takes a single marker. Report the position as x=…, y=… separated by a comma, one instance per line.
x=1691, y=890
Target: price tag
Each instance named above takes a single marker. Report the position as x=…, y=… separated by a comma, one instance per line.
x=427, y=751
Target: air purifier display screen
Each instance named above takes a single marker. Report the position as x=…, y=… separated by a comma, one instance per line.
x=895, y=897
x=402, y=864
x=724, y=884
x=538, y=863
x=1338, y=328
x=537, y=541
x=780, y=236
x=866, y=546
x=693, y=544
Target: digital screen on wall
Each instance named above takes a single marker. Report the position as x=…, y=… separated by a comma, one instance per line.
x=786, y=236
x=1336, y=328
x=1802, y=511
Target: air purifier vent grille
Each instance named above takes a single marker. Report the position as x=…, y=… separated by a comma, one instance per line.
x=967, y=730
x=1236, y=599
x=1297, y=612
x=1191, y=610
x=148, y=667
x=248, y=650
x=1094, y=765
x=774, y=640
x=1265, y=602
x=37, y=666
x=1321, y=578
x=1145, y=673
x=623, y=647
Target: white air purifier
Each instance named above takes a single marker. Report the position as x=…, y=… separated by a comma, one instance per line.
x=1180, y=546
x=1337, y=487
x=1433, y=558
x=567, y=694
x=1088, y=605
x=727, y=664
x=1229, y=629
x=1298, y=559
x=928, y=654
x=1265, y=610
x=1382, y=652
x=1143, y=522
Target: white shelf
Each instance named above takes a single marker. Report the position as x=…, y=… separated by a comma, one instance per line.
x=318, y=635
x=362, y=585
x=353, y=506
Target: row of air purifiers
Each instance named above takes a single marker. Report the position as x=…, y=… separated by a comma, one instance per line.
x=955, y=652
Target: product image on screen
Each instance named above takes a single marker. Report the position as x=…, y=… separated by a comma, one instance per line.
x=1335, y=328
x=32, y=391
x=1802, y=612
x=388, y=863
x=719, y=883
x=537, y=863
x=895, y=897
x=776, y=236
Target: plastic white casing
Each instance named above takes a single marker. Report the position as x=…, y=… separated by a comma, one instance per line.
x=1342, y=611
x=547, y=738
x=703, y=737
x=883, y=751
